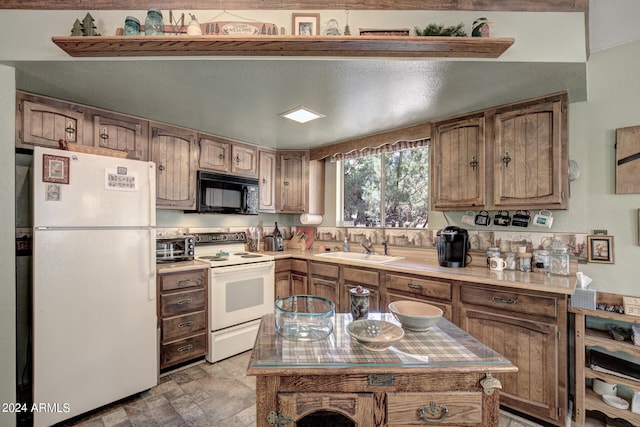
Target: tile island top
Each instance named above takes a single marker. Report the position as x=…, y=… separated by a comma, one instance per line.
x=445, y=346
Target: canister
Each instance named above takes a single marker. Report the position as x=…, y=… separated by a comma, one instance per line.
x=359, y=302
x=153, y=24
x=524, y=261
x=540, y=262
x=510, y=259
x=559, y=262
x=491, y=252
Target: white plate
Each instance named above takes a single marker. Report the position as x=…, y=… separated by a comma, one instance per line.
x=615, y=401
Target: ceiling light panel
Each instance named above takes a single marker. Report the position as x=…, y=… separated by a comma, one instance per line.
x=301, y=114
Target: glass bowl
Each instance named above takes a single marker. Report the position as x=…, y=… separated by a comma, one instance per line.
x=304, y=317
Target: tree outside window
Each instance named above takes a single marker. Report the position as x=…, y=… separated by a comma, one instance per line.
x=387, y=190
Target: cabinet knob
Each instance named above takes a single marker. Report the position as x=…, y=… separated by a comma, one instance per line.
x=506, y=159
x=474, y=162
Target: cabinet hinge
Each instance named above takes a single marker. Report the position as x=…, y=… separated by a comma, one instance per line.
x=278, y=420
x=559, y=335
x=559, y=412
x=21, y=107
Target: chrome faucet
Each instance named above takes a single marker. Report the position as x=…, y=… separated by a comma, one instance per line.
x=368, y=247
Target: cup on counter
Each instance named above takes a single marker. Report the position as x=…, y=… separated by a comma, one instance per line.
x=497, y=263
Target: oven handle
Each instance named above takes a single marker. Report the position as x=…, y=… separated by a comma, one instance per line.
x=245, y=268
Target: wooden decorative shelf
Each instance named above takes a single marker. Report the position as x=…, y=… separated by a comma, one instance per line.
x=354, y=46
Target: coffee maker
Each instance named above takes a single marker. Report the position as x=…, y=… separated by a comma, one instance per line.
x=452, y=244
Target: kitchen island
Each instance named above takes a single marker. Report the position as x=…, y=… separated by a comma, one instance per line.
x=442, y=375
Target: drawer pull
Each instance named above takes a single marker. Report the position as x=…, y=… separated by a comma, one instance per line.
x=184, y=301
x=184, y=282
x=503, y=300
x=185, y=324
x=428, y=412
x=185, y=348
x=415, y=286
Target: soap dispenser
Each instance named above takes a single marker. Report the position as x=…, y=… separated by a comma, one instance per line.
x=345, y=245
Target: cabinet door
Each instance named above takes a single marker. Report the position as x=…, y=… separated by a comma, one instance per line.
x=530, y=155
x=122, y=133
x=174, y=152
x=244, y=160
x=292, y=174
x=282, y=284
x=267, y=184
x=531, y=346
x=458, y=175
x=44, y=122
x=326, y=288
x=298, y=284
x=215, y=154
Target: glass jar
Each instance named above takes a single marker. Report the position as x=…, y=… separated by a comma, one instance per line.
x=492, y=251
x=510, y=260
x=153, y=24
x=559, y=262
x=540, y=262
x=131, y=26
x=524, y=261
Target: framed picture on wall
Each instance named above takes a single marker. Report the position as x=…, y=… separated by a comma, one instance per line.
x=600, y=249
x=305, y=24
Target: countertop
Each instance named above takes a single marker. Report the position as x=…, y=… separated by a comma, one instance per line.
x=427, y=265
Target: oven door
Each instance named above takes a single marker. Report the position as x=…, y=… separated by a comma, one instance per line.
x=240, y=293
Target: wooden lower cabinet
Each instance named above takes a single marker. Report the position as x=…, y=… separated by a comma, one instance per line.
x=182, y=316
x=353, y=277
x=290, y=277
x=324, y=281
x=529, y=330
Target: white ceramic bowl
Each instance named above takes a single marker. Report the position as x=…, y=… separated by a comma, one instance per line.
x=415, y=315
x=615, y=401
x=603, y=388
x=376, y=335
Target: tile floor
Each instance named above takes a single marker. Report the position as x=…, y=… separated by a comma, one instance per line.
x=203, y=395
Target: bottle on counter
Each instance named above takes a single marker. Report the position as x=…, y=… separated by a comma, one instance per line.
x=345, y=245
x=278, y=241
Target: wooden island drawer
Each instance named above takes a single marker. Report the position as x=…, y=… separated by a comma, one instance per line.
x=510, y=301
x=183, y=326
x=462, y=408
x=183, y=350
x=419, y=286
x=182, y=302
x=188, y=279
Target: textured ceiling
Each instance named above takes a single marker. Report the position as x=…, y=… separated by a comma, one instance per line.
x=241, y=99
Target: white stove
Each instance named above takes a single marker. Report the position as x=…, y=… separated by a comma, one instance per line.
x=241, y=291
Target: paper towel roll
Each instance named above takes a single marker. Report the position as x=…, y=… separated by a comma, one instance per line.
x=310, y=219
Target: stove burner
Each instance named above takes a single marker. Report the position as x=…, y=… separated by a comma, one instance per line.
x=214, y=258
x=241, y=253
x=250, y=256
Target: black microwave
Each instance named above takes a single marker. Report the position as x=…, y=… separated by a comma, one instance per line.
x=226, y=194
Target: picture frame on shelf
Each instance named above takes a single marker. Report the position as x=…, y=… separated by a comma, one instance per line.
x=600, y=249
x=305, y=24
x=55, y=169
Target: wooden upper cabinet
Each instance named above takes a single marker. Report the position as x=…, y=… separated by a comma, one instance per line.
x=215, y=154
x=123, y=133
x=244, y=160
x=44, y=121
x=530, y=154
x=174, y=151
x=267, y=183
x=458, y=168
x=292, y=175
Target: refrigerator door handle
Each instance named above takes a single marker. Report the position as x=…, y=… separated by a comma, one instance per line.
x=151, y=285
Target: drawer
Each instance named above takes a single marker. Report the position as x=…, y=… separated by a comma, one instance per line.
x=419, y=286
x=464, y=408
x=326, y=270
x=182, y=302
x=360, y=276
x=183, y=350
x=299, y=265
x=510, y=301
x=185, y=279
x=183, y=326
x=282, y=265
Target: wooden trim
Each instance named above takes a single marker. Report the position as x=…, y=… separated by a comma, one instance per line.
x=369, y=46
x=372, y=141
x=480, y=5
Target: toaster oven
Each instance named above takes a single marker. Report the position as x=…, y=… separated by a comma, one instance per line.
x=174, y=249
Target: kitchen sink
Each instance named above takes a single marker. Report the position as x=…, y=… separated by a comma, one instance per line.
x=354, y=256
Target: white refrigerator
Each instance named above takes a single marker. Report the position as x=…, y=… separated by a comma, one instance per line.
x=94, y=297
